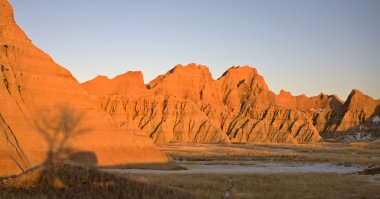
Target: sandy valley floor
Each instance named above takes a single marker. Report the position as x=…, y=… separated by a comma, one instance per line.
x=325, y=170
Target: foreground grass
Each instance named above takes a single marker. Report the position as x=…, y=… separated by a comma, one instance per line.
x=76, y=182
x=214, y=186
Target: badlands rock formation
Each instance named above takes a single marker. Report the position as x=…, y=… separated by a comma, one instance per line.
x=31, y=85
x=357, y=117
x=256, y=117
x=186, y=105
x=130, y=84
x=337, y=119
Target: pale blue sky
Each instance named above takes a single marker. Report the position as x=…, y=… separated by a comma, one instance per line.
x=303, y=46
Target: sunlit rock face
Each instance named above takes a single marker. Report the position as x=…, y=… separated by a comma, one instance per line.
x=32, y=85
x=320, y=108
x=165, y=119
x=357, y=118
x=130, y=83
x=256, y=117
x=186, y=105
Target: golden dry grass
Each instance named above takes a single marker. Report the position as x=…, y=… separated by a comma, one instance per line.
x=364, y=153
x=77, y=182
x=213, y=186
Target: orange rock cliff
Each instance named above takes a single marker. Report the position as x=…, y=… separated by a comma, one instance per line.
x=186, y=105
x=32, y=84
x=123, y=117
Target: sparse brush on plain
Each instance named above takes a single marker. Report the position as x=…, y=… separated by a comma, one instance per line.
x=363, y=153
x=271, y=186
x=66, y=181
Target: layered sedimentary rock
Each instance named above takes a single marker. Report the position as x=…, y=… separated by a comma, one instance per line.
x=130, y=83
x=319, y=107
x=302, y=102
x=186, y=105
x=193, y=82
x=256, y=116
x=353, y=119
x=357, y=117
x=31, y=85
x=165, y=119
x=237, y=107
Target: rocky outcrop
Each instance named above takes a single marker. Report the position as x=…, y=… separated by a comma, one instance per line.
x=130, y=84
x=302, y=102
x=356, y=117
x=186, y=105
x=193, y=82
x=320, y=107
x=257, y=117
x=237, y=107
x=31, y=85
x=242, y=86
x=165, y=119
x=336, y=119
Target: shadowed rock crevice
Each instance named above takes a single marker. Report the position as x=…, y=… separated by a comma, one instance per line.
x=354, y=118
x=15, y=151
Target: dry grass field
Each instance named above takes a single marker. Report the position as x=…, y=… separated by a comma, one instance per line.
x=78, y=182
x=316, y=185
x=362, y=153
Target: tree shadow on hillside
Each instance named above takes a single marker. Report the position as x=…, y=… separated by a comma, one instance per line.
x=57, y=179
x=59, y=127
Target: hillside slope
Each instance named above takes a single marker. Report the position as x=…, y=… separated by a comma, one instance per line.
x=33, y=91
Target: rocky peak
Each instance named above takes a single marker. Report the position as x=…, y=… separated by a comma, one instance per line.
x=284, y=93
x=6, y=13
x=34, y=89
x=131, y=76
x=192, y=82
x=240, y=72
x=191, y=72
x=100, y=77
x=356, y=113
x=243, y=87
x=355, y=92
x=129, y=83
x=246, y=76
x=286, y=99
x=358, y=99
x=10, y=33
x=303, y=102
x=335, y=102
